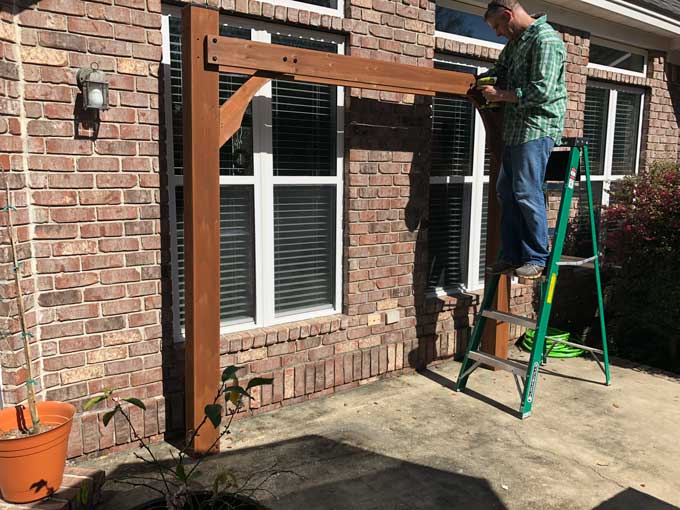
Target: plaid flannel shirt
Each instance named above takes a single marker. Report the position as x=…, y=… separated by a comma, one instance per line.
x=533, y=66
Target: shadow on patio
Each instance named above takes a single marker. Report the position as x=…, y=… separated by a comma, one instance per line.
x=331, y=475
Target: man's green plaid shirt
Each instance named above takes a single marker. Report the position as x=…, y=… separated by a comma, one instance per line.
x=533, y=66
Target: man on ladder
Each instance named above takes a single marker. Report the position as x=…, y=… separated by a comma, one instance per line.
x=532, y=69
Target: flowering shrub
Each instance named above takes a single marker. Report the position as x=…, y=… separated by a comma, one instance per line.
x=643, y=242
x=645, y=218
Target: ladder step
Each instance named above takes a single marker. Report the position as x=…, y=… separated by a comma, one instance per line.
x=578, y=346
x=504, y=364
x=568, y=260
x=509, y=317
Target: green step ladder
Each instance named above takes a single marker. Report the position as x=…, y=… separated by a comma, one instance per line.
x=567, y=156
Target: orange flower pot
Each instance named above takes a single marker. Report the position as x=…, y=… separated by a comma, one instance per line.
x=32, y=467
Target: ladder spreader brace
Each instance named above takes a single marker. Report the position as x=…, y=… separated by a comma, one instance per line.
x=526, y=374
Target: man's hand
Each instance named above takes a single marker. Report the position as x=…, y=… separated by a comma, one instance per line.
x=494, y=95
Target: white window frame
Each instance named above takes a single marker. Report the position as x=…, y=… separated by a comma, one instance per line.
x=471, y=9
x=622, y=47
x=471, y=229
x=607, y=177
x=262, y=180
x=338, y=11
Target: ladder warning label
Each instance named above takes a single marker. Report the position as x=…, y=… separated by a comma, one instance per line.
x=532, y=388
x=572, y=178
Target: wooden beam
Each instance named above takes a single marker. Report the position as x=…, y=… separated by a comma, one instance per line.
x=201, y=222
x=327, y=81
x=333, y=68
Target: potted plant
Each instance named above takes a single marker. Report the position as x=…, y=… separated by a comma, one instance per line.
x=33, y=438
x=175, y=481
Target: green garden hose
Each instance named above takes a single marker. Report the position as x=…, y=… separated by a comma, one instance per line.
x=559, y=351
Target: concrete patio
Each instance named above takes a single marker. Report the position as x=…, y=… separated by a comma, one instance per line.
x=413, y=443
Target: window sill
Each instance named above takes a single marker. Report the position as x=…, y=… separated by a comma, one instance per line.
x=262, y=337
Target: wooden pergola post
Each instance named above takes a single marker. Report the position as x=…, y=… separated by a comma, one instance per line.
x=496, y=334
x=201, y=222
x=207, y=126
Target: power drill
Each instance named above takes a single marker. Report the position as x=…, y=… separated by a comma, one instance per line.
x=487, y=80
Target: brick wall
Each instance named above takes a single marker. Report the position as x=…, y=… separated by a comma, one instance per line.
x=89, y=212
x=91, y=198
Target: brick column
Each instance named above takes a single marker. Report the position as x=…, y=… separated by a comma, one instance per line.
x=660, y=131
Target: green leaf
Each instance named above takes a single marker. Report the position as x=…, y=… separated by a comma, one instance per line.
x=94, y=401
x=180, y=473
x=236, y=391
x=135, y=402
x=229, y=373
x=259, y=381
x=214, y=414
x=107, y=416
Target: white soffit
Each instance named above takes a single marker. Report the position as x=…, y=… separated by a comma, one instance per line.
x=625, y=13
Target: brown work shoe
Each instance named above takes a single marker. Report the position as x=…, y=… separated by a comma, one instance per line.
x=529, y=271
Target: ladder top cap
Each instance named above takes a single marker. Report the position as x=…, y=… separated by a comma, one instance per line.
x=573, y=142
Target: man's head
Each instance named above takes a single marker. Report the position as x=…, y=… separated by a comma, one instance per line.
x=507, y=18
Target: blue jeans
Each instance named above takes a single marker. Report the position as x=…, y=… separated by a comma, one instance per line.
x=524, y=222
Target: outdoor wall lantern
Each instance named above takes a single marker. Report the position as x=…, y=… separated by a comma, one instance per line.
x=92, y=82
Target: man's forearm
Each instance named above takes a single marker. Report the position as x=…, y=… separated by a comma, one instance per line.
x=507, y=96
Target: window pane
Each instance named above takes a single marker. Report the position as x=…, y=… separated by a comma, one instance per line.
x=237, y=274
x=304, y=127
x=595, y=127
x=179, y=211
x=304, y=248
x=237, y=254
x=453, y=126
x=613, y=57
x=236, y=154
x=624, y=157
x=466, y=24
x=447, y=249
x=482, y=244
x=333, y=4
x=579, y=238
x=175, y=26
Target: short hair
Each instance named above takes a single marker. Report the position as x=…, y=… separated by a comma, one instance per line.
x=499, y=5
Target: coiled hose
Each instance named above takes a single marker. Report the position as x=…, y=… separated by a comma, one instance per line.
x=559, y=351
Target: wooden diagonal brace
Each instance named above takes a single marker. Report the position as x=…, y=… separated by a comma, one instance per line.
x=232, y=111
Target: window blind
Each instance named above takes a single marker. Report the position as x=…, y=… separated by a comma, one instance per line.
x=595, y=127
x=482, y=240
x=446, y=245
x=624, y=155
x=452, y=132
x=304, y=123
x=236, y=154
x=304, y=132
x=237, y=275
x=304, y=247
